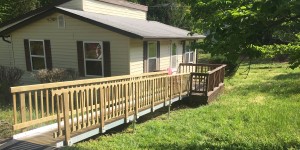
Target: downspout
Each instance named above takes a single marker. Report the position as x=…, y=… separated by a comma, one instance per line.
x=5, y=40
x=10, y=42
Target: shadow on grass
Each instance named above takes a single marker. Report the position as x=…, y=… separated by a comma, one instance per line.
x=225, y=146
x=289, y=76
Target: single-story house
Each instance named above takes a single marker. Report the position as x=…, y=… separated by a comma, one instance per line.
x=97, y=38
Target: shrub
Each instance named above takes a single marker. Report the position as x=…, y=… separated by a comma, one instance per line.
x=55, y=75
x=231, y=66
x=9, y=76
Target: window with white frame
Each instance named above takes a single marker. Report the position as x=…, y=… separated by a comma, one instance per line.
x=37, y=54
x=93, y=58
x=189, y=54
x=174, y=55
x=152, y=56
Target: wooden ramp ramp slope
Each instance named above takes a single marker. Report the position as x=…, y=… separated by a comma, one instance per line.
x=45, y=140
x=79, y=110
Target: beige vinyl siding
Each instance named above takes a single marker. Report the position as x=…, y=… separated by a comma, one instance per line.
x=111, y=9
x=63, y=43
x=74, y=4
x=5, y=53
x=136, y=57
x=165, y=55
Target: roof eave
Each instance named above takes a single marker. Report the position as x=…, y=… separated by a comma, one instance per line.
x=8, y=30
x=175, y=38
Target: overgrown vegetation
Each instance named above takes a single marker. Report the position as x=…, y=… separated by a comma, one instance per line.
x=249, y=28
x=257, y=112
x=55, y=75
x=9, y=76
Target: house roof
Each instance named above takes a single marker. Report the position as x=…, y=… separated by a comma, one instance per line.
x=135, y=28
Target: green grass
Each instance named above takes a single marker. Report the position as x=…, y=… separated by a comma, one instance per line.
x=258, y=112
x=6, y=120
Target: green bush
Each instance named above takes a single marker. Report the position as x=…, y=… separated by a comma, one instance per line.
x=55, y=75
x=231, y=66
x=9, y=76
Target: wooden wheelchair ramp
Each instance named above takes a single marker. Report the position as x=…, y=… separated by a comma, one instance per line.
x=65, y=113
x=42, y=138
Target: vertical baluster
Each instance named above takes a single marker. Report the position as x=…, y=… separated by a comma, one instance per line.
x=58, y=116
x=130, y=97
x=102, y=108
x=15, y=108
x=82, y=103
x=96, y=104
x=166, y=90
x=23, y=107
x=36, y=105
x=126, y=102
x=87, y=108
x=152, y=94
x=147, y=92
x=42, y=103
x=92, y=106
x=72, y=110
x=77, y=110
x=66, y=107
x=113, y=97
x=30, y=105
x=117, y=109
x=47, y=102
x=52, y=102
x=143, y=94
x=109, y=100
x=136, y=98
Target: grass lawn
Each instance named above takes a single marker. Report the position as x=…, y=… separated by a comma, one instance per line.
x=6, y=119
x=258, y=112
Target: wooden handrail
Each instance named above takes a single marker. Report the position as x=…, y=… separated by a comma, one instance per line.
x=130, y=98
x=215, y=70
x=36, y=104
x=199, y=64
x=27, y=88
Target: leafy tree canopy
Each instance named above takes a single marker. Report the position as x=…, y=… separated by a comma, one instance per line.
x=250, y=28
x=171, y=12
x=13, y=8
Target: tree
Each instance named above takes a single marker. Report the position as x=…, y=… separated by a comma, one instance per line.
x=10, y=8
x=171, y=12
x=249, y=28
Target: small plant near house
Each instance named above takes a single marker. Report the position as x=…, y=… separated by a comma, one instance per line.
x=55, y=75
x=9, y=76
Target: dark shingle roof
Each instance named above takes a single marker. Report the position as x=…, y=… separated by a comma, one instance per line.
x=135, y=28
x=142, y=28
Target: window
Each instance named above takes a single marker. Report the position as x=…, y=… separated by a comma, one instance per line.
x=93, y=58
x=189, y=54
x=37, y=54
x=152, y=56
x=173, y=55
x=61, y=21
